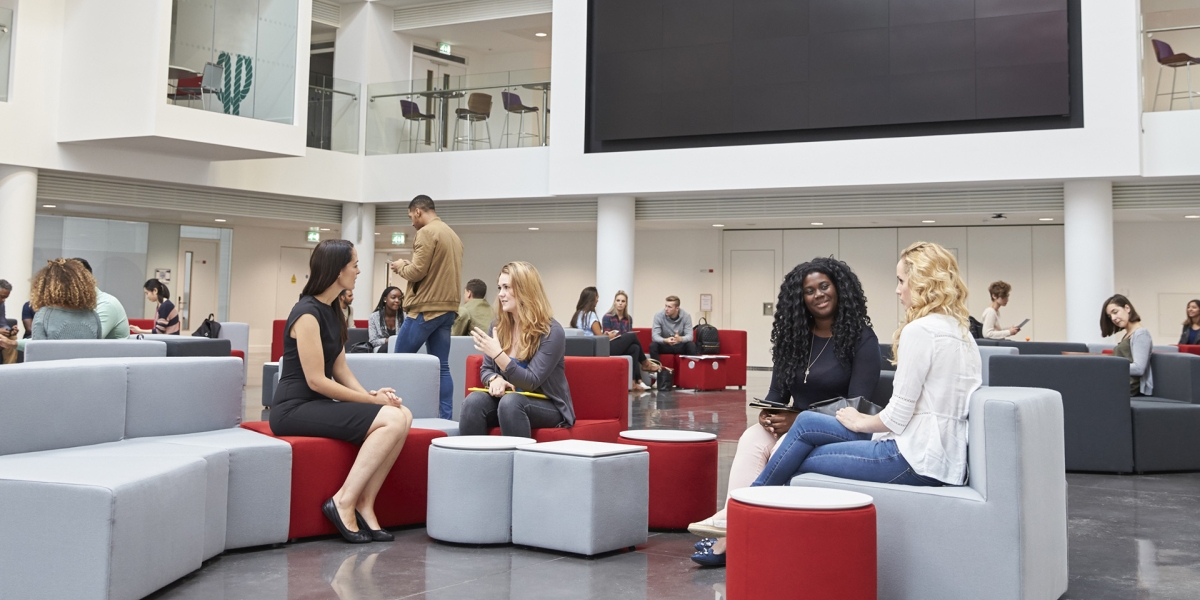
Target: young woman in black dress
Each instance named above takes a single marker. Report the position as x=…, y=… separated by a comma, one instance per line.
x=314, y=374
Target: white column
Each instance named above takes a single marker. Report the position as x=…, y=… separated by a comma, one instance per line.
x=615, y=229
x=1088, y=239
x=18, y=207
x=358, y=226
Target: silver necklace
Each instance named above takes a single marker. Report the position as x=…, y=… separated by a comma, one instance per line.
x=813, y=360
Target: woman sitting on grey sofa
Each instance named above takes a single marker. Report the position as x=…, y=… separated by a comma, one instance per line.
x=1191, y=325
x=386, y=320
x=523, y=355
x=63, y=294
x=1135, y=346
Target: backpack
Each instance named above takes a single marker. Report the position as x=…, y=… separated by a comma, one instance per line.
x=976, y=328
x=210, y=329
x=708, y=340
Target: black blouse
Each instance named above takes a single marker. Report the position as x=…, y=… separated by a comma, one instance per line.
x=829, y=378
x=292, y=383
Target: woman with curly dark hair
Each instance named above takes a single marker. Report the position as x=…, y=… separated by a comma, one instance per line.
x=822, y=347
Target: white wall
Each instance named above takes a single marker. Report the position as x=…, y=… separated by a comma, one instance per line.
x=1156, y=268
x=566, y=261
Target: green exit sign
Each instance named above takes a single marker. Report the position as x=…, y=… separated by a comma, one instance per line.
x=314, y=236
x=444, y=48
x=397, y=239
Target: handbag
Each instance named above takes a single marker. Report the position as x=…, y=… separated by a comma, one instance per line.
x=210, y=329
x=665, y=380
x=832, y=405
x=360, y=348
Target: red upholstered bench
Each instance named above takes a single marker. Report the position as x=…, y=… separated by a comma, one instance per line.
x=1189, y=348
x=599, y=394
x=147, y=324
x=733, y=345
x=320, y=466
x=277, y=339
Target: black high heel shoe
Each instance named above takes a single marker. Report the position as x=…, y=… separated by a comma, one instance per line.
x=354, y=537
x=377, y=535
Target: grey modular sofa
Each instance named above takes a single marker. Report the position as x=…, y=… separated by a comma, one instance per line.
x=1100, y=347
x=186, y=345
x=134, y=487
x=1043, y=348
x=986, y=352
x=1105, y=429
x=42, y=350
x=1003, y=536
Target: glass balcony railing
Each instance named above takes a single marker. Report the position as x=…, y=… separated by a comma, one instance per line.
x=333, y=108
x=235, y=57
x=459, y=113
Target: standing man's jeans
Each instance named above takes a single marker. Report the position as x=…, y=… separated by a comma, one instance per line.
x=659, y=348
x=819, y=443
x=435, y=335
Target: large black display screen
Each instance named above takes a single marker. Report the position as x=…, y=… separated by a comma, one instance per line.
x=685, y=73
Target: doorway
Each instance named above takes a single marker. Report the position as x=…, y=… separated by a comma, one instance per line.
x=753, y=267
x=198, y=282
x=293, y=275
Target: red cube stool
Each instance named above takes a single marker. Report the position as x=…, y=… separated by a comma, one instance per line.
x=703, y=373
x=824, y=539
x=683, y=475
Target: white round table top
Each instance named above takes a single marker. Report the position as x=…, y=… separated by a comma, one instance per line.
x=801, y=498
x=584, y=448
x=668, y=435
x=482, y=442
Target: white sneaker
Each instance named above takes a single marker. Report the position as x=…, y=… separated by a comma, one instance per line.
x=709, y=527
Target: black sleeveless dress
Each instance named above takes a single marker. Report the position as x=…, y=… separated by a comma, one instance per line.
x=298, y=409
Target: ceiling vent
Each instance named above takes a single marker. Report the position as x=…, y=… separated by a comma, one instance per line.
x=450, y=13
x=491, y=212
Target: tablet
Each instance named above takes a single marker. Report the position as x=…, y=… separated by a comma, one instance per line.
x=1023, y=324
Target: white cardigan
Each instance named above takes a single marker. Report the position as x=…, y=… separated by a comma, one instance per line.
x=991, y=325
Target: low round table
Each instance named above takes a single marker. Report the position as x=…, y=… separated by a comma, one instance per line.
x=823, y=539
x=470, y=488
x=683, y=475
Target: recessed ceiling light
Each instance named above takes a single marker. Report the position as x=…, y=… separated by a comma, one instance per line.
x=376, y=233
x=1046, y=219
x=219, y=220
x=324, y=229
x=1192, y=217
x=814, y=223
x=540, y=34
x=929, y=221
x=49, y=206
x=718, y=224
x=534, y=228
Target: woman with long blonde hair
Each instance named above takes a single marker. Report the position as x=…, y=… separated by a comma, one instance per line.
x=920, y=438
x=523, y=353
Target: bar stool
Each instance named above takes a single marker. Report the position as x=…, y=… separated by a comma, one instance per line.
x=1168, y=58
x=479, y=108
x=412, y=113
x=513, y=105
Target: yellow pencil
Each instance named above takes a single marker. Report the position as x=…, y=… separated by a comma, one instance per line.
x=530, y=394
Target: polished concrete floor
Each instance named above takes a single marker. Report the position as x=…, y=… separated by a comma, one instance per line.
x=1131, y=537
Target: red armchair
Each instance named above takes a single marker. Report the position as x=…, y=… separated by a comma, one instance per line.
x=1190, y=349
x=277, y=339
x=733, y=345
x=320, y=466
x=147, y=324
x=599, y=394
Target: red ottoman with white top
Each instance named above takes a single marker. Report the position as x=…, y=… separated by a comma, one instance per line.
x=823, y=539
x=683, y=475
x=703, y=373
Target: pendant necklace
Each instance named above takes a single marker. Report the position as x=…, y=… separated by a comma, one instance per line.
x=813, y=360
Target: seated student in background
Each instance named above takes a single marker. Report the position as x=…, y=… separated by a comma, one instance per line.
x=824, y=348
x=1135, y=346
x=991, y=315
x=586, y=319
x=1191, y=325
x=524, y=353
x=671, y=332
x=475, y=311
x=344, y=304
x=618, y=326
x=27, y=319
x=166, y=317
x=8, y=336
x=63, y=294
x=386, y=320
x=114, y=322
x=318, y=395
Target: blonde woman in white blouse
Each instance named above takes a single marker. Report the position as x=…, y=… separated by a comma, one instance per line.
x=920, y=438
x=991, y=315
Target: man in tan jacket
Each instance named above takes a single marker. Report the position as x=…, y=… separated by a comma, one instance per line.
x=434, y=277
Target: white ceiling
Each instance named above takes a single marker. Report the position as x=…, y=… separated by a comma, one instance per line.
x=496, y=36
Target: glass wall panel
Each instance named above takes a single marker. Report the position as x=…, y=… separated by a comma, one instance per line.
x=1171, y=45
x=116, y=250
x=333, y=109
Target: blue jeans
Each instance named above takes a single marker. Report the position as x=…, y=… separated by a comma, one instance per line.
x=435, y=335
x=818, y=443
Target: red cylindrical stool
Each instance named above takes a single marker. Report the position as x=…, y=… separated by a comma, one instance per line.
x=823, y=539
x=683, y=475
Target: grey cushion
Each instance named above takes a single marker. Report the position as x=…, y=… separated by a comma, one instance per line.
x=260, y=483
x=885, y=357
x=121, y=528
x=987, y=352
x=444, y=425
x=587, y=345
x=461, y=346
x=238, y=335
x=60, y=404
x=356, y=335
x=1095, y=396
x=270, y=376
x=1176, y=376
x=581, y=505
x=186, y=345
x=169, y=396
x=1165, y=435
x=470, y=496
x=415, y=377
x=883, y=389
x=1004, y=536
x=1043, y=348
x=39, y=350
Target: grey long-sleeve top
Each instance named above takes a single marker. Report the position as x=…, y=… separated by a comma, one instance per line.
x=545, y=373
x=377, y=331
x=54, y=323
x=665, y=327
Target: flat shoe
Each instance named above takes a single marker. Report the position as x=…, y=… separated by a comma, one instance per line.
x=704, y=543
x=709, y=527
x=331, y=513
x=377, y=535
x=707, y=558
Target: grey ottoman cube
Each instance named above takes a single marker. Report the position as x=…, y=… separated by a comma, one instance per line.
x=470, y=488
x=581, y=497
